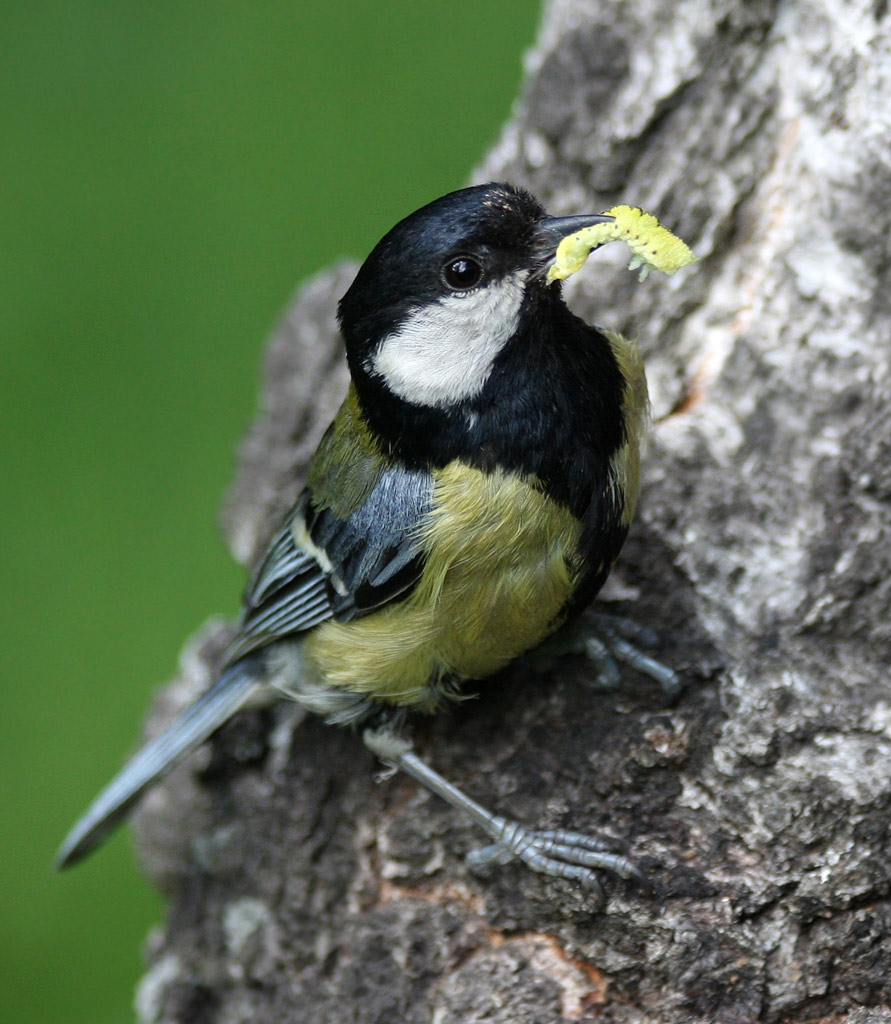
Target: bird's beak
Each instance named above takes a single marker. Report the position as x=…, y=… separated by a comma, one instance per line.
x=550, y=232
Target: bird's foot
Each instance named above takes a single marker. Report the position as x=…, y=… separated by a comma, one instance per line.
x=615, y=639
x=555, y=852
x=607, y=641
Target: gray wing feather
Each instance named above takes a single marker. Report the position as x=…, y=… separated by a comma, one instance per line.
x=375, y=553
x=358, y=564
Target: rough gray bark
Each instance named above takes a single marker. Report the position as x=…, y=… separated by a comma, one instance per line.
x=302, y=889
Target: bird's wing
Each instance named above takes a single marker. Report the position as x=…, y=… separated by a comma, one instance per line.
x=320, y=566
x=317, y=567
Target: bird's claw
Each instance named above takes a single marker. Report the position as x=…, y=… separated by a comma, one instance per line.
x=617, y=639
x=558, y=853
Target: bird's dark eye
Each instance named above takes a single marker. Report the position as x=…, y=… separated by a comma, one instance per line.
x=462, y=273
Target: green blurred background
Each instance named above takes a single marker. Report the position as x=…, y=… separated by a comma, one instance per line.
x=169, y=172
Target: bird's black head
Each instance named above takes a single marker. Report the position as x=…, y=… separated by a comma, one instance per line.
x=445, y=291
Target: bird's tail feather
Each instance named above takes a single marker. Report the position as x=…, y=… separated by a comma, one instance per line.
x=157, y=757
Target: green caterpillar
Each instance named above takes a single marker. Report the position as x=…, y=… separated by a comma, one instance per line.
x=651, y=244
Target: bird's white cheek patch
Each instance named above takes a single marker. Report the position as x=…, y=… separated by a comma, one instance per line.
x=443, y=353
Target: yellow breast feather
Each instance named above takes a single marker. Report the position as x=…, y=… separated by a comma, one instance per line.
x=460, y=623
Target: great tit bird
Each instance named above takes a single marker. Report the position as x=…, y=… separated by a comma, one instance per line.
x=468, y=500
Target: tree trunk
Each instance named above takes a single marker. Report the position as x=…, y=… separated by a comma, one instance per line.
x=304, y=889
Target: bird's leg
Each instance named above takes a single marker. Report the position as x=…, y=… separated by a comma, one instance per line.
x=607, y=640
x=555, y=852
